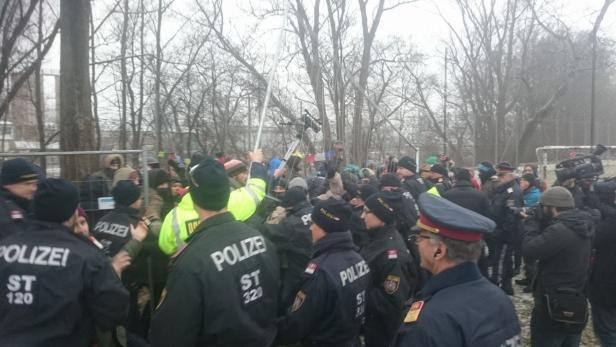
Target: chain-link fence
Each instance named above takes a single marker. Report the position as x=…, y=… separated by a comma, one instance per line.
x=95, y=188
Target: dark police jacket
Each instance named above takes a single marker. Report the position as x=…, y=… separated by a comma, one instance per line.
x=56, y=288
x=329, y=309
x=294, y=246
x=394, y=276
x=603, y=278
x=459, y=307
x=222, y=289
x=13, y=213
x=113, y=230
x=508, y=224
x=465, y=195
x=414, y=185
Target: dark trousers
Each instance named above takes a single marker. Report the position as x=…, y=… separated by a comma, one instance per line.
x=604, y=324
x=502, y=262
x=542, y=334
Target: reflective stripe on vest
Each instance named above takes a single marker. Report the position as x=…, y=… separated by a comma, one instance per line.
x=176, y=228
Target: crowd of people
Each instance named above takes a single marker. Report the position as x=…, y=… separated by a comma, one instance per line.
x=255, y=253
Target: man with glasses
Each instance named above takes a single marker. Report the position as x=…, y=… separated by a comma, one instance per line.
x=457, y=306
x=394, y=275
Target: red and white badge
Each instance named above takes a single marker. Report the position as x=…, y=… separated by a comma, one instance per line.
x=16, y=214
x=392, y=254
x=311, y=268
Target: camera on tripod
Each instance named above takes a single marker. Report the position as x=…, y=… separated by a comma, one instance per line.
x=583, y=167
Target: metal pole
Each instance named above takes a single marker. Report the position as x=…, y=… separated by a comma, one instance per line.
x=268, y=91
x=592, y=89
x=145, y=179
x=445, y=108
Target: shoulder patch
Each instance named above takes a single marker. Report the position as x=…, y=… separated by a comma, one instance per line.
x=191, y=225
x=391, y=284
x=300, y=297
x=392, y=254
x=414, y=312
x=311, y=268
x=509, y=190
x=17, y=214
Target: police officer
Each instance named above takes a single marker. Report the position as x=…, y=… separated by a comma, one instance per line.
x=183, y=219
x=457, y=306
x=507, y=236
x=289, y=229
x=223, y=286
x=406, y=170
x=57, y=287
x=408, y=213
x=329, y=309
x=19, y=179
x=113, y=230
x=439, y=179
x=394, y=275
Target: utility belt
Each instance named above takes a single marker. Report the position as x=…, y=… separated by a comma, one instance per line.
x=566, y=305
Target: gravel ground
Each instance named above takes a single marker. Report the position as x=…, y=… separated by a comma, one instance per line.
x=524, y=305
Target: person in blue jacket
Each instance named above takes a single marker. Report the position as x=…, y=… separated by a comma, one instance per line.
x=528, y=185
x=457, y=306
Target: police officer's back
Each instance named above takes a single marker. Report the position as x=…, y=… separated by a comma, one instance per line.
x=329, y=309
x=291, y=235
x=57, y=286
x=18, y=179
x=394, y=274
x=223, y=286
x=407, y=168
x=457, y=306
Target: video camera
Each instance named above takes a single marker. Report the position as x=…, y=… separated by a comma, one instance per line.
x=310, y=122
x=583, y=167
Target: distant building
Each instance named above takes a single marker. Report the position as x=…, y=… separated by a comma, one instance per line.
x=19, y=129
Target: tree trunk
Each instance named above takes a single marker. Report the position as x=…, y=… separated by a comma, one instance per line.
x=76, y=123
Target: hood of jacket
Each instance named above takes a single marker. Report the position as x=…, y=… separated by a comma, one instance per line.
x=578, y=221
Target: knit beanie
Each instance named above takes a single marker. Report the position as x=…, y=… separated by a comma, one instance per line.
x=385, y=205
x=18, y=170
x=55, y=200
x=557, y=197
x=332, y=215
x=389, y=180
x=408, y=163
x=298, y=182
x=125, y=193
x=294, y=196
x=156, y=177
x=209, y=187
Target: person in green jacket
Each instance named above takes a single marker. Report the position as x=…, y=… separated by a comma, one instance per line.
x=249, y=191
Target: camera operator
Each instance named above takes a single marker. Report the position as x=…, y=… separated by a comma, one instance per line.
x=560, y=239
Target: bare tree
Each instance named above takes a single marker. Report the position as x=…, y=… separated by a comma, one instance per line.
x=16, y=60
x=76, y=122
